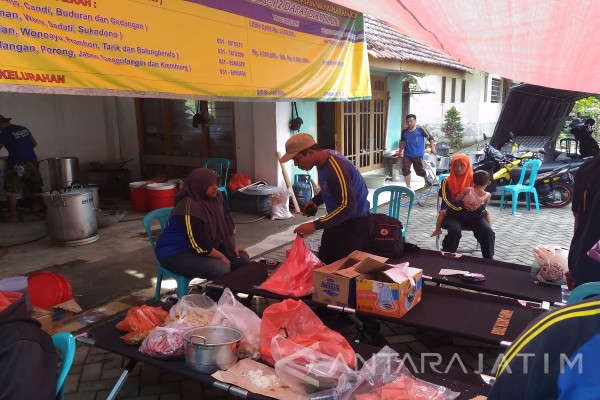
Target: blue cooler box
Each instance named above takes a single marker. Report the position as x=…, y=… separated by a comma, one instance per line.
x=253, y=198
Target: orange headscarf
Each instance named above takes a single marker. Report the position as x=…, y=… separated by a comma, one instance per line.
x=456, y=183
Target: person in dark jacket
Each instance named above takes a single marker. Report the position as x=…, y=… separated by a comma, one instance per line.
x=556, y=357
x=199, y=240
x=588, y=147
x=586, y=231
x=28, y=359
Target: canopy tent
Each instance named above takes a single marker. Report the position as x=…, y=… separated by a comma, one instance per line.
x=550, y=43
x=534, y=111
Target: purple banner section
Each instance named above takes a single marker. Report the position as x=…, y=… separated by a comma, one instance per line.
x=284, y=13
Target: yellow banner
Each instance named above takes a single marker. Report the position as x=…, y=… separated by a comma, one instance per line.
x=252, y=49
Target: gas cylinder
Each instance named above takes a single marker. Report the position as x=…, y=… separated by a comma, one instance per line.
x=302, y=188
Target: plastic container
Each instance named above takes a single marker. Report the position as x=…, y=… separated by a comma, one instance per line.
x=137, y=195
x=48, y=289
x=17, y=284
x=159, y=195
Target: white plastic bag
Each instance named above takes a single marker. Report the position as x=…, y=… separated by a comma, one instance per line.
x=279, y=205
x=230, y=312
x=550, y=264
x=196, y=309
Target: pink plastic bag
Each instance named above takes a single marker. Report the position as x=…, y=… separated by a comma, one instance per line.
x=294, y=276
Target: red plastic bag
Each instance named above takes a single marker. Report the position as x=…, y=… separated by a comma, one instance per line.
x=238, y=181
x=294, y=320
x=294, y=276
x=140, y=321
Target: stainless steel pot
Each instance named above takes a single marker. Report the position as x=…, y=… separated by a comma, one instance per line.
x=212, y=348
x=63, y=171
x=71, y=217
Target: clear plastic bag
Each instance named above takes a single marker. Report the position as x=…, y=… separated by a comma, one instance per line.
x=294, y=320
x=197, y=309
x=166, y=343
x=279, y=205
x=294, y=276
x=384, y=376
x=304, y=369
x=230, y=312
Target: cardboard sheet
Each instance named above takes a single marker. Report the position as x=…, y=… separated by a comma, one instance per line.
x=237, y=375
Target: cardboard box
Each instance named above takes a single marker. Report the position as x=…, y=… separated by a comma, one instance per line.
x=44, y=316
x=385, y=290
x=335, y=283
x=53, y=318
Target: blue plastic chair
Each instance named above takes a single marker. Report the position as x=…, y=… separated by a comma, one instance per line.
x=583, y=291
x=221, y=167
x=528, y=188
x=65, y=343
x=395, y=204
x=183, y=282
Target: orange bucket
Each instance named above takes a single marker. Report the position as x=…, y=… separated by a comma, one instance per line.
x=137, y=195
x=159, y=195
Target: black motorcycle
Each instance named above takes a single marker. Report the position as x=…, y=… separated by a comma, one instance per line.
x=554, y=182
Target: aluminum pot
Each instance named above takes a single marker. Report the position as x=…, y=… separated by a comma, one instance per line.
x=71, y=217
x=212, y=348
x=63, y=171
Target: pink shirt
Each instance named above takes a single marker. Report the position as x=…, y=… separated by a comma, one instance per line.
x=472, y=197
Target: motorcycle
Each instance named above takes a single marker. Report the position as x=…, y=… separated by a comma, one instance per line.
x=554, y=183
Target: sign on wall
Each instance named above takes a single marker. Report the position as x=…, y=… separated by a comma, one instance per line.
x=257, y=49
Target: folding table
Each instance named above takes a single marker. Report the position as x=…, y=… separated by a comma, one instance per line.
x=478, y=316
x=106, y=336
x=502, y=278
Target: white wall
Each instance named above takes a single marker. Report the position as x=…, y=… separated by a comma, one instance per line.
x=477, y=116
x=86, y=127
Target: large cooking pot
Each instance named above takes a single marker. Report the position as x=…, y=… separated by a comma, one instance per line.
x=212, y=348
x=64, y=171
x=71, y=217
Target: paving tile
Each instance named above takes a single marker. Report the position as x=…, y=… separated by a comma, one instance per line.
x=91, y=371
x=168, y=387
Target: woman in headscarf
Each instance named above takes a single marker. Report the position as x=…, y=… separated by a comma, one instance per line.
x=461, y=177
x=199, y=240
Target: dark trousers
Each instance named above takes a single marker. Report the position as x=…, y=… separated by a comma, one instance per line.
x=193, y=265
x=481, y=230
x=341, y=240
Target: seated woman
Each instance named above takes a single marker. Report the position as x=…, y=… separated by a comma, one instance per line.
x=461, y=177
x=199, y=239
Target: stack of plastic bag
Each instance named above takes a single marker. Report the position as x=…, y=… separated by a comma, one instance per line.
x=167, y=342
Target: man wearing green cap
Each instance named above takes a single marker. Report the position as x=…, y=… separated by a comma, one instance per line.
x=344, y=193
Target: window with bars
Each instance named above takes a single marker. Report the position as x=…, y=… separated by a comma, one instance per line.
x=364, y=127
x=443, y=100
x=463, y=91
x=170, y=145
x=453, y=91
x=496, y=93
